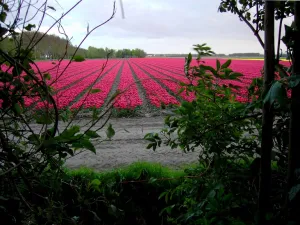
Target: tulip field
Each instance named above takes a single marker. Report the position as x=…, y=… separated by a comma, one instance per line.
x=147, y=81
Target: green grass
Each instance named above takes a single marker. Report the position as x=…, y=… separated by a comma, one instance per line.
x=131, y=172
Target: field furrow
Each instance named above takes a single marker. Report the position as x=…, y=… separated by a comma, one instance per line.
x=103, y=83
x=69, y=82
x=170, y=70
x=67, y=93
x=155, y=92
x=170, y=83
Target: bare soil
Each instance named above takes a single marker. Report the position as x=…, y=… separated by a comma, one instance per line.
x=128, y=146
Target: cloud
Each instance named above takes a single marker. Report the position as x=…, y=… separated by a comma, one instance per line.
x=157, y=26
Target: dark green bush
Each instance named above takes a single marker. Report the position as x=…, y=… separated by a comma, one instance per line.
x=143, y=193
x=124, y=196
x=78, y=58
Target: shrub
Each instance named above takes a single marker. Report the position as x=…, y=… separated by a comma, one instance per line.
x=123, y=196
x=78, y=58
x=144, y=193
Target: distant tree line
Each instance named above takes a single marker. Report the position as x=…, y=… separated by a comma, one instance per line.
x=232, y=55
x=247, y=54
x=93, y=52
x=216, y=55
x=55, y=47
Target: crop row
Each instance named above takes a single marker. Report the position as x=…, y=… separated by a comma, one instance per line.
x=158, y=79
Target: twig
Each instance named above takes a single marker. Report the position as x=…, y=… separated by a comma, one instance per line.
x=282, y=6
x=22, y=197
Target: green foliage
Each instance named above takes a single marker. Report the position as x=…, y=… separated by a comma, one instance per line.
x=210, y=198
x=276, y=95
x=78, y=58
x=95, y=90
x=294, y=191
x=135, y=112
x=214, y=121
x=203, y=50
x=33, y=146
x=122, y=196
x=145, y=192
x=94, y=53
x=243, y=9
x=110, y=132
x=225, y=132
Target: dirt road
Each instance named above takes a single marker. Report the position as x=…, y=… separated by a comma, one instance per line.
x=128, y=146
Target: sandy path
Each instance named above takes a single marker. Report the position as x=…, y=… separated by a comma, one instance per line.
x=128, y=146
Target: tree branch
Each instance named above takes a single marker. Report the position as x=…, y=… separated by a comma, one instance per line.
x=255, y=32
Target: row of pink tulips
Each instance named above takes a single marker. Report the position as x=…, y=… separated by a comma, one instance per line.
x=65, y=97
x=172, y=82
x=97, y=99
x=155, y=93
x=129, y=99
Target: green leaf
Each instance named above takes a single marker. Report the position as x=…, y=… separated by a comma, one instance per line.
x=180, y=90
x=276, y=93
x=187, y=64
x=88, y=145
x=34, y=138
x=182, y=84
x=152, y=180
x=226, y=64
x=51, y=7
x=112, y=210
x=4, y=5
x=218, y=64
x=211, y=194
x=288, y=30
x=50, y=143
x=17, y=108
x=294, y=191
x=235, y=76
x=149, y=146
x=65, y=115
x=209, y=68
x=189, y=57
x=47, y=76
x=29, y=27
x=95, y=182
x=3, y=16
x=96, y=90
x=3, y=198
x=95, y=114
x=110, y=132
x=248, y=16
x=162, y=195
x=92, y=134
x=43, y=119
x=282, y=72
x=227, y=72
x=68, y=133
x=294, y=80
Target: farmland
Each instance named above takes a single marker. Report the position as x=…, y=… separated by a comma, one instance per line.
x=144, y=83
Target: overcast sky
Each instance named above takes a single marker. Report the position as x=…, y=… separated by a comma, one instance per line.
x=157, y=26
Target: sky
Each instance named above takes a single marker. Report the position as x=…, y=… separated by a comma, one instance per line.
x=157, y=26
